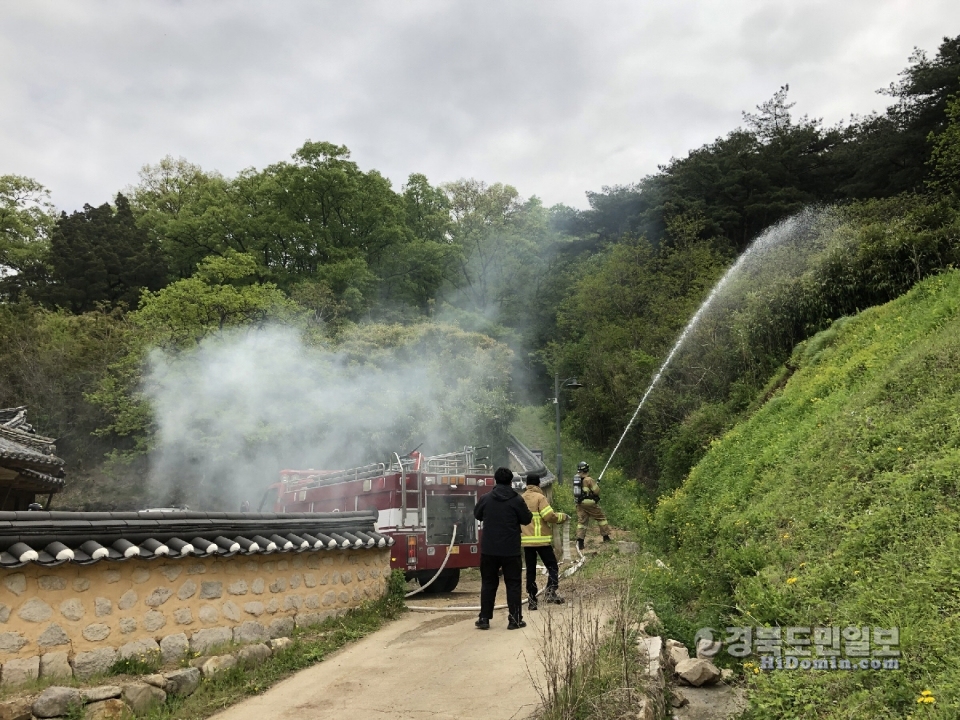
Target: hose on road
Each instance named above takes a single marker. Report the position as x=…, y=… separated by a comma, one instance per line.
x=469, y=608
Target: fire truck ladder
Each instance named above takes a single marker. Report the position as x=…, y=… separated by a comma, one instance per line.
x=455, y=463
x=402, y=465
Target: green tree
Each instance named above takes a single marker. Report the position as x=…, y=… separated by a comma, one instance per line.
x=945, y=157
x=183, y=209
x=222, y=295
x=26, y=220
x=99, y=256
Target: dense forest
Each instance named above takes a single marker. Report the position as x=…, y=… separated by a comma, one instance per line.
x=367, y=272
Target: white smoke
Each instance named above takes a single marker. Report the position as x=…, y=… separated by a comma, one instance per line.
x=233, y=412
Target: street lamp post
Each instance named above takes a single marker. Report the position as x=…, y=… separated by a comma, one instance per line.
x=558, y=384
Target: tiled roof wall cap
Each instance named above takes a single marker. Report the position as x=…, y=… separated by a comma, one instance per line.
x=52, y=538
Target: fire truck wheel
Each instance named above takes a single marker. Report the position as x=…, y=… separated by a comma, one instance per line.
x=447, y=581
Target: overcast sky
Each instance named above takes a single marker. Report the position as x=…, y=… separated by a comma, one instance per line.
x=554, y=97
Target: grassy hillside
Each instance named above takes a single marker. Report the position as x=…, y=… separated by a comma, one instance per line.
x=835, y=504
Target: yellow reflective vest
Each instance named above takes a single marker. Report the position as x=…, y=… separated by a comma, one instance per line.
x=539, y=533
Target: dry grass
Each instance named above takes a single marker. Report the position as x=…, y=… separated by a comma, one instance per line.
x=588, y=663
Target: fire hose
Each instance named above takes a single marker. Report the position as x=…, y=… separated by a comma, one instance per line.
x=467, y=608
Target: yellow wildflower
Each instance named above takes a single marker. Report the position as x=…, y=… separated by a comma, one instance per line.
x=791, y=581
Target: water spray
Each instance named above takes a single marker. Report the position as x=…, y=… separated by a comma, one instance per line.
x=767, y=238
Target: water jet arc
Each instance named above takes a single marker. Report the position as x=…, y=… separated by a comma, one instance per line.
x=764, y=240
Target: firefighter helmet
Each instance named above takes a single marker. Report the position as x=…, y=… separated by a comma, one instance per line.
x=583, y=467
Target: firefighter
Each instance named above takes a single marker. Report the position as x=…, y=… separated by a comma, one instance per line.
x=537, y=540
x=502, y=513
x=586, y=491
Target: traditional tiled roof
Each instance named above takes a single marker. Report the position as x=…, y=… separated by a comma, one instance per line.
x=52, y=538
x=20, y=446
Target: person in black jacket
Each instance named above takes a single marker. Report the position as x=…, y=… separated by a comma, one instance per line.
x=502, y=511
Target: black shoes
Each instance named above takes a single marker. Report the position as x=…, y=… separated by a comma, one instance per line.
x=606, y=538
x=554, y=599
x=580, y=544
x=532, y=604
x=515, y=625
x=482, y=624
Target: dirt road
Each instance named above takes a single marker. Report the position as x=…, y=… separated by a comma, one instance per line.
x=425, y=665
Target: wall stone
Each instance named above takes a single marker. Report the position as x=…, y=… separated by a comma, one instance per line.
x=187, y=590
x=20, y=671
x=96, y=632
x=128, y=600
x=153, y=621
x=171, y=572
x=72, y=609
x=231, y=611
x=210, y=589
x=51, y=582
x=81, y=613
x=11, y=642
x=142, y=648
x=16, y=583
x=174, y=647
x=102, y=606
x=54, y=635
x=36, y=610
x=158, y=597
x=93, y=662
x=203, y=640
x=55, y=665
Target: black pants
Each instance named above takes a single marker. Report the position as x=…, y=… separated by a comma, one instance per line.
x=490, y=566
x=549, y=560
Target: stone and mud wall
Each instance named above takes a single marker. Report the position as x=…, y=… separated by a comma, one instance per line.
x=78, y=620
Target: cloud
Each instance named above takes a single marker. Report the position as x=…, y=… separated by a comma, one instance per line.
x=556, y=97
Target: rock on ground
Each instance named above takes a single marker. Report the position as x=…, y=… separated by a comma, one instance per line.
x=280, y=643
x=101, y=692
x=697, y=672
x=157, y=680
x=56, y=701
x=217, y=664
x=676, y=651
x=107, y=710
x=719, y=702
x=253, y=654
x=16, y=709
x=140, y=697
x=182, y=682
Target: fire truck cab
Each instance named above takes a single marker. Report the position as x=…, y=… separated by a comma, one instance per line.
x=419, y=501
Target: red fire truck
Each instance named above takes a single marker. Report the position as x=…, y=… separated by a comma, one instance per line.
x=418, y=500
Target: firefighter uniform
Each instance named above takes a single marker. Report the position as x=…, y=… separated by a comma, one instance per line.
x=588, y=506
x=537, y=541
